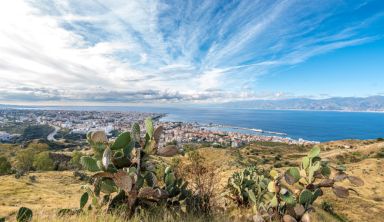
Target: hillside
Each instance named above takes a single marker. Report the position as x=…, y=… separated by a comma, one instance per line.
x=55, y=190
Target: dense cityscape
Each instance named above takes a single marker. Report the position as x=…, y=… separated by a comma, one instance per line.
x=81, y=122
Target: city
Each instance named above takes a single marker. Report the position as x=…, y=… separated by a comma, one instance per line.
x=81, y=122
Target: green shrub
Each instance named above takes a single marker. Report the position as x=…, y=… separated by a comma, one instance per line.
x=36, y=132
x=277, y=165
x=173, y=142
x=380, y=154
x=75, y=161
x=43, y=162
x=24, y=159
x=38, y=147
x=5, y=166
x=327, y=207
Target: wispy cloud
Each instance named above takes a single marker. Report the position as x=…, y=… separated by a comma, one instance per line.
x=164, y=51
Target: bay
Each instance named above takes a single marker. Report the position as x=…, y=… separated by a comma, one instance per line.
x=309, y=125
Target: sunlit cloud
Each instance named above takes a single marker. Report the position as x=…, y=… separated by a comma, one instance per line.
x=164, y=51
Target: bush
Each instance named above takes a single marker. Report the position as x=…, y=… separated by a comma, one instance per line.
x=43, y=162
x=380, y=154
x=173, y=142
x=5, y=166
x=38, y=147
x=24, y=159
x=277, y=165
x=36, y=132
x=75, y=161
x=203, y=182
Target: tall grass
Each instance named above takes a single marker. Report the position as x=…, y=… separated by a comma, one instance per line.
x=154, y=215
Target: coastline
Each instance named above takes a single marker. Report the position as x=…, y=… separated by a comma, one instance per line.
x=312, y=127
x=253, y=135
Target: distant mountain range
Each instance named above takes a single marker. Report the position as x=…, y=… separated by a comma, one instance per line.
x=363, y=104
x=372, y=103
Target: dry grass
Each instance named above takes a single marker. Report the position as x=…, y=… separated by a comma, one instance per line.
x=54, y=190
x=369, y=204
x=102, y=217
x=51, y=191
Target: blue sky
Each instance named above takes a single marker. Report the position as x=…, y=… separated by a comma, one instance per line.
x=155, y=51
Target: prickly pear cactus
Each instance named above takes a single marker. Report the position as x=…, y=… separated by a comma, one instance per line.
x=248, y=187
x=125, y=173
x=24, y=215
x=288, y=196
x=306, y=184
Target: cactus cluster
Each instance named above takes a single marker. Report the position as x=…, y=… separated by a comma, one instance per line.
x=290, y=196
x=248, y=187
x=125, y=173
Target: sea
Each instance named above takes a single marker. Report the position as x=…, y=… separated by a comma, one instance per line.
x=318, y=126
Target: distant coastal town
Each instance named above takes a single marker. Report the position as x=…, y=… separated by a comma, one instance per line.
x=80, y=122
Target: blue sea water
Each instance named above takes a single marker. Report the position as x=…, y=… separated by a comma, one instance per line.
x=308, y=125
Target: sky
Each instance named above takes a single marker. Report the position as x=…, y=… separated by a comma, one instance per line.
x=189, y=52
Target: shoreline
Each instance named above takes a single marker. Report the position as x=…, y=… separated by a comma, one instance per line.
x=163, y=116
x=233, y=131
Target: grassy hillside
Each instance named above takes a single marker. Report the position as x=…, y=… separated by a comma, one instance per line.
x=55, y=190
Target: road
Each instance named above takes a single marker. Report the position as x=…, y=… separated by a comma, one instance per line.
x=51, y=136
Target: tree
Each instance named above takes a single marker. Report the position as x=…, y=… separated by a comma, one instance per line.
x=75, y=161
x=5, y=166
x=24, y=159
x=38, y=147
x=43, y=162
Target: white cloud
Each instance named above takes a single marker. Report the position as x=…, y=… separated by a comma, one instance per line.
x=116, y=50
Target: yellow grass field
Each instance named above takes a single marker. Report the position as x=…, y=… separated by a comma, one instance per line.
x=55, y=190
